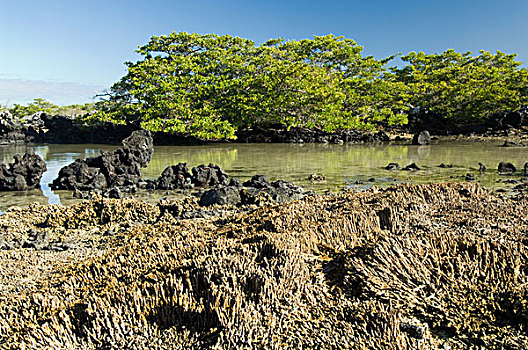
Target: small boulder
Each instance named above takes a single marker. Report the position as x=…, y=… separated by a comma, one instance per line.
x=470, y=177
x=210, y=175
x=421, y=138
x=392, y=166
x=258, y=181
x=316, y=178
x=443, y=166
x=221, y=195
x=175, y=177
x=506, y=168
x=411, y=167
x=37, y=240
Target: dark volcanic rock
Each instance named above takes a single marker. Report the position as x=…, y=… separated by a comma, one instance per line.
x=175, y=177
x=508, y=119
x=392, y=166
x=443, y=166
x=506, y=168
x=221, y=195
x=421, y=138
x=282, y=191
x=11, y=130
x=65, y=129
x=470, y=177
x=258, y=191
x=279, y=134
x=411, y=166
x=316, y=178
x=211, y=175
x=119, y=168
x=178, y=177
x=258, y=181
x=23, y=174
x=37, y=240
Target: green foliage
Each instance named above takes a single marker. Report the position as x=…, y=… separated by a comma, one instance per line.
x=463, y=87
x=41, y=105
x=210, y=85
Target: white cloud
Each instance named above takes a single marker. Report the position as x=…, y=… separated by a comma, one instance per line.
x=61, y=93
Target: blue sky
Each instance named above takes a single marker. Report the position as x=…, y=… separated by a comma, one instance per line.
x=66, y=51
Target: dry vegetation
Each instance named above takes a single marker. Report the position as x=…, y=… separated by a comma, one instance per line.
x=409, y=267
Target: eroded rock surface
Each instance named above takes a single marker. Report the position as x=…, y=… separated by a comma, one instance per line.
x=178, y=177
x=24, y=173
x=256, y=190
x=112, y=169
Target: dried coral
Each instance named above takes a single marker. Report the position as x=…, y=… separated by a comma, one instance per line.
x=412, y=266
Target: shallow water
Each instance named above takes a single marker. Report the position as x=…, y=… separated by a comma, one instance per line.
x=345, y=166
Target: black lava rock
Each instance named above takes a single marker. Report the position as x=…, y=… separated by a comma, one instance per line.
x=411, y=167
x=470, y=177
x=37, y=240
x=23, y=174
x=258, y=181
x=258, y=191
x=392, y=166
x=119, y=168
x=221, y=195
x=211, y=175
x=506, y=168
x=175, y=177
x=421, y=138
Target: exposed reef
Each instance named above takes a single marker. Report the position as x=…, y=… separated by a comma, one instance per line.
x=411, y=266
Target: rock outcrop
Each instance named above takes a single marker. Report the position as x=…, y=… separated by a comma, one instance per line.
x=115, y=169
x=11, y=130
x=421, y=138
x=24, y=173
x=506, y=168
x=178, y=177
x=515, y=119
x=255, y=191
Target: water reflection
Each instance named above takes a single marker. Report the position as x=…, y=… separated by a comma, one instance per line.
x=359, y=166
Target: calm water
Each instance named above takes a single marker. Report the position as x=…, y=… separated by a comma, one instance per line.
x=357, y=166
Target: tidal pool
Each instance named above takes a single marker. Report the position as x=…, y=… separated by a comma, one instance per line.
x=345, y=166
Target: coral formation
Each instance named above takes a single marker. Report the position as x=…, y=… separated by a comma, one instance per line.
x=408, y=267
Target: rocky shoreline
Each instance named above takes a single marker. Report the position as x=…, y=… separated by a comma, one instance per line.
x=411, y=266
x=260, y=264
x=43, y=128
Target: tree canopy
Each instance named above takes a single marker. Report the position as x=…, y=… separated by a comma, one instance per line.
x=210, y=86
x=463, y=87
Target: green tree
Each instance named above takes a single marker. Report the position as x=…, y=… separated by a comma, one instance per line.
x=210, y=85
x=463, y=87
x=41, y=105
x=38, y=105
